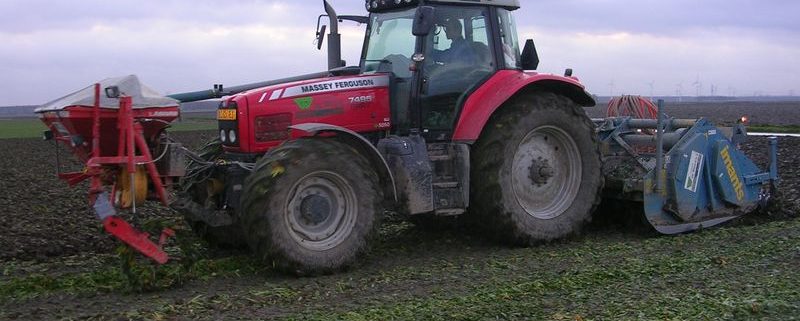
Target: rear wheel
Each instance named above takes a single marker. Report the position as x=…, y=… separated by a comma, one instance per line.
x=311, y=206
x=536, y=173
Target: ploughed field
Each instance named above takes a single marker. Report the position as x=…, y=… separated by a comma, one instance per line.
x=57, y=263
x=761, y=113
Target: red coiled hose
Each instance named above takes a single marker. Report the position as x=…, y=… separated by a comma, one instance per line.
x=632, y=106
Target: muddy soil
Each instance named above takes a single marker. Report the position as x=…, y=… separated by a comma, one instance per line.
x=411, y=269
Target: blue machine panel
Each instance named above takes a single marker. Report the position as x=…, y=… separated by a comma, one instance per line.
x=688, y=185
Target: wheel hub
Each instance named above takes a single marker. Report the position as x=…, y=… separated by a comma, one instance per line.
x=541, y=171
x=315, y=209
x=546, y=172
x=322, y=211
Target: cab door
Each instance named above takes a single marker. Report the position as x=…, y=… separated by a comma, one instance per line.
x=458, y=58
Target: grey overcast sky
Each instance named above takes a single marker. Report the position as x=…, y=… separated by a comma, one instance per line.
x=49, y=48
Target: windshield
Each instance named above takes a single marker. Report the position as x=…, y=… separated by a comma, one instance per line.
x=391, y=43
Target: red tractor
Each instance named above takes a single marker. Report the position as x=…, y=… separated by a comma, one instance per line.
x=442, y=117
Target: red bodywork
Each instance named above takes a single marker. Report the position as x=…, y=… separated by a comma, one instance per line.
x=365, y=110
x=358, y=103
x=497, y=90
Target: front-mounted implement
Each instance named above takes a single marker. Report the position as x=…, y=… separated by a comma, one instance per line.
x=119, y=134
x=687, y=173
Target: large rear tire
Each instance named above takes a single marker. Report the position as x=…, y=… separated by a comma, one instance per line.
x=536, y=173
x=199, y=186
x=311, y=206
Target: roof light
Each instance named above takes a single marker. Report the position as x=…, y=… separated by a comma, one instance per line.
x=382, y=5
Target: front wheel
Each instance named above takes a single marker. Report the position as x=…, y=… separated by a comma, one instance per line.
x=311, y=206
x=536, y=173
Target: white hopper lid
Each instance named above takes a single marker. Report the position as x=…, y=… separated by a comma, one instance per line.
x=143, y=96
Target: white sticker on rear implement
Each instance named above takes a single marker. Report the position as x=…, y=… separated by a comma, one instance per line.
x=693, y=174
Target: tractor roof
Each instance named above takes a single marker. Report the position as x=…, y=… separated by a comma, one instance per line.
x=383, y=5
x=511, y=4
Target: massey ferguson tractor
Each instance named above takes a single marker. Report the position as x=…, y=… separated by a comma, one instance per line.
x=443, y=116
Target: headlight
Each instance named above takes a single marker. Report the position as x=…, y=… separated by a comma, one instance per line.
x=232, y=136
x=222, y=136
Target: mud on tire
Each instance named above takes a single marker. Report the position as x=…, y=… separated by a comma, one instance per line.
x=536, y=170
x=311, y=206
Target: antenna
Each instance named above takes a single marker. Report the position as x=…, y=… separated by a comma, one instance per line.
x=698, y=85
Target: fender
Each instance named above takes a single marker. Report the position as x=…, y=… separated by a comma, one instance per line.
x=359, y=143
x=501, y=87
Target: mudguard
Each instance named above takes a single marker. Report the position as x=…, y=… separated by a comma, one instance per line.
x=501, y=87
x=360, y=143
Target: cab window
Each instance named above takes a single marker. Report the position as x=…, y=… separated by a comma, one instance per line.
x=508, y=35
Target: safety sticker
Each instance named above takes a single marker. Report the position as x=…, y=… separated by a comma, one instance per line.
x=693, y=174
x=304, y=103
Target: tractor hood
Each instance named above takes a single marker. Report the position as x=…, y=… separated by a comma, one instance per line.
x=318, y=86
x=262, y=116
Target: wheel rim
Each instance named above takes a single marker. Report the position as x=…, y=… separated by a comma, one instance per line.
x=321, y=210
x=546, y=172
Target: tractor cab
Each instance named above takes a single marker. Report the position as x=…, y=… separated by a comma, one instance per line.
x=438, y=53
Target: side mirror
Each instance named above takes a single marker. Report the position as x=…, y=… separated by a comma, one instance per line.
x=423, y=21
x=321, y=36
x=530, y=58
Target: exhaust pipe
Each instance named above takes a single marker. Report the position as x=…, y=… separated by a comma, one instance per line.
x=334, y=38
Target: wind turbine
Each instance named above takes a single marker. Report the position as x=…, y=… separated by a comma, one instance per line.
x=698, y=85
x=651, y=84
x=679, y=91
